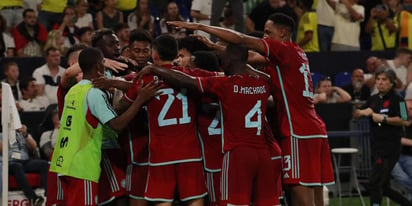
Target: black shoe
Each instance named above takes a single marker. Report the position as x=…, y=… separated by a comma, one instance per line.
x=38, y=201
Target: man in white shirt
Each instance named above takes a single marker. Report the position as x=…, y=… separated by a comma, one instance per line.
x=48, y=76
x=400, y=65
x=201, y=11
x=30, y=101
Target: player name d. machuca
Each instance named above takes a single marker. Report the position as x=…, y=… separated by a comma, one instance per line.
x=249, y=90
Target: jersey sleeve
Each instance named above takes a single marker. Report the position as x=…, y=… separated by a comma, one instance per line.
x=213, y=85
x=131, y=93
x=275, y=51
x=99, y=105
x=198, y=72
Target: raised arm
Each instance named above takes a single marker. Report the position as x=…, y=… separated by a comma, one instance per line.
x=171, y=77
x=224, y=34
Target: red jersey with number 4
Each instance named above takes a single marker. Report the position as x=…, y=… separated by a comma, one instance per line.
x=243, y=101
x=292, y=90
x=172, y=122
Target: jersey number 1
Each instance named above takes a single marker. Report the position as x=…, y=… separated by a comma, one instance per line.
x=161, y=119
x=304, y=69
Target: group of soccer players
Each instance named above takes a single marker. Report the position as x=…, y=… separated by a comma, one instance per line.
x=202, y=133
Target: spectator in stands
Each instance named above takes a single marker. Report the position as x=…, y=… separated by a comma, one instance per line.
x=55, y=40
x=372, y=63
x=31, y=101
x=402, y=172
x=237, y=9
x=257, y=18
x=109, y=16
x=387, y=113
x=29, y=36
x=11, y=11
x=326, y=24
x=172, y=15
x=142, y=18
x=48, y=138
x=382, y=28
x=126, y=7
x=68, y=28
x=48, y=76
x=357, y=89
x=307, y=36
x=84, y=19
x=122, y=32
x=85, y=36
x=401, y=64
x=349, y=15
x=405, y=24
x=200, y=12
x=7, y=46
x=11, y=71
x=228, y=20
x=333, y=94
x=21, y=163
x=50, y=12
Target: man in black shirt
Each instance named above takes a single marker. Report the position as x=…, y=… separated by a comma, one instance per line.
x=387, y=112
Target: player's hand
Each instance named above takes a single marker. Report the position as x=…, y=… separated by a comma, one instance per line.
x=129, y=61
x=145, y=71
x=205, y=40
x=378, y=118
x=114, y=65
x=183, y=25
x=102, y=82
x=148, y=91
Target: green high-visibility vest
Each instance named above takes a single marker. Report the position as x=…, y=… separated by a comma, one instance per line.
x=78, y=148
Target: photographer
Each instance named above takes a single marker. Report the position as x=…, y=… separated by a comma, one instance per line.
x=382, y=28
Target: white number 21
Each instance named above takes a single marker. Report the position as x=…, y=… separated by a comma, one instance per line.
x=161, y=119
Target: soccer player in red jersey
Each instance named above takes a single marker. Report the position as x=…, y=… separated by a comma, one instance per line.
x=305, y=148
x=247, y=170
x=175, y=160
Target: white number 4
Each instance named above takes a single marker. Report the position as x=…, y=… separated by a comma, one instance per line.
x=248, y=118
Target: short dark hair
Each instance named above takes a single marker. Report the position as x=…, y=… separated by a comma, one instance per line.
x=75, y=48
x=206, y=60
x=237, y=52
x=89, y=58
x=307, y=3
x=192, y=44
x=99, y=34
x=166, y=47
x=284, y=20
x=50, y=49
x=26, y=11
x=83, y=30
x=7, y=65
x=402, y=50
x=2, y=23
x=140, y=35
x=120, y=26
x=24, y=82
x=388, y=73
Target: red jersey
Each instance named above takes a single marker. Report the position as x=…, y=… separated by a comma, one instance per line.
x=292, y=90
x=210, y=134
x=243, y=101
x=172, y=122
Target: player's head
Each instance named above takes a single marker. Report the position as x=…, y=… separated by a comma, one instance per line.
x=107, y=41
x=187, y=47
x=72, y=54
x=164, y=48
x=206, y=60
x=234, y=54
x=279, y=27
x=91, y=62
x=140, y=43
